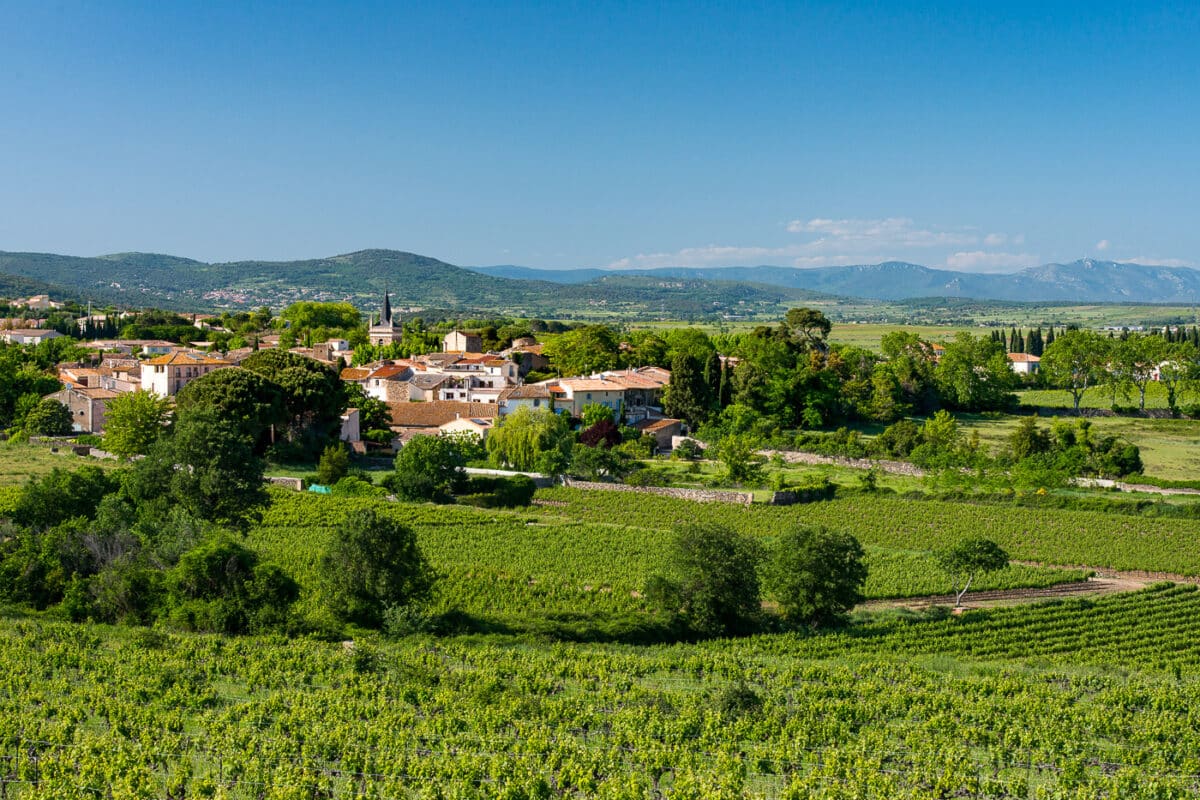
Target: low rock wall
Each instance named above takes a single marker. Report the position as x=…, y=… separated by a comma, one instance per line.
x=696, y=495
x=883, y=465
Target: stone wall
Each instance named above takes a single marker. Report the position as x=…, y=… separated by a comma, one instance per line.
x=295, y=484
x=696, y=495
x=892, y=467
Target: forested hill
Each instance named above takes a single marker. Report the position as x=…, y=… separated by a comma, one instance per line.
x=415, y=281
x=1084, y=281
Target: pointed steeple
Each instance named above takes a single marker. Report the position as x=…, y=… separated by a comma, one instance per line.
x=386, y=319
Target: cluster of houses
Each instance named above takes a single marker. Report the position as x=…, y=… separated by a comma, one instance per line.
x=459, y=389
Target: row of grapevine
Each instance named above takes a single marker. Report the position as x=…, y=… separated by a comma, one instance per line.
x=1009, y=703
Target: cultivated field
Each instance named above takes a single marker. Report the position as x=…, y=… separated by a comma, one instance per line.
x=1075, y=699
x=533, y=690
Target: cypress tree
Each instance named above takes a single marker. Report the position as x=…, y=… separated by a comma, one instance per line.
x=712, y=378
x=686, y=395
x=725, y=391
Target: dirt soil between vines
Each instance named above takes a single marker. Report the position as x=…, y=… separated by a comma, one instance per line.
x=1105, y=581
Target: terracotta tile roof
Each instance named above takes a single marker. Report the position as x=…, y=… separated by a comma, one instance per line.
x=633, y=380
x=478, y=423
x=79, y=372
x=184, y=358
x=390, y=372
x=590, y=385
x=441, y=358
x=438, y=412
x=355, y=374
x=30, y=332
x=528, y=391
x=1023, y=358
x=428, y=381
x=651, y=425
x=96, y=393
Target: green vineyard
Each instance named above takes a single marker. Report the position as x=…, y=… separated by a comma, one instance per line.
x=588, y=559
x=1050, y=536
x=1061, y=700
x=557, y=685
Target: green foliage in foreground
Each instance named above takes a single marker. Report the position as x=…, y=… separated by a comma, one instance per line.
x=1064, y=700
x=563, y=570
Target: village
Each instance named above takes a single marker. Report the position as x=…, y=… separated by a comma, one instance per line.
x=458, y=389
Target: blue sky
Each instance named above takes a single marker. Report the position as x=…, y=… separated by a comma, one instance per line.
x=968, y=135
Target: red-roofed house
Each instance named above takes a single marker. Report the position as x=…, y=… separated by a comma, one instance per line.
x=166, y=375
x=662, y=430
x=1023, y=363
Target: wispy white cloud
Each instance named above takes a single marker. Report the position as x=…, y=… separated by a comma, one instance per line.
x=989, y=261
x=1147, y=261
x=1103, y=245
x=825, y=241
x=890, y=233
x=708, y=256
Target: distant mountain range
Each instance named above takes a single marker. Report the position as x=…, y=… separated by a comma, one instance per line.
x=415, y=281
x=1084, y=281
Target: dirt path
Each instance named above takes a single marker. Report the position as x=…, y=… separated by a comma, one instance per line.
x=1104, y=582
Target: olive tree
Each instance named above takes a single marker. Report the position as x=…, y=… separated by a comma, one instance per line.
x=970, y=557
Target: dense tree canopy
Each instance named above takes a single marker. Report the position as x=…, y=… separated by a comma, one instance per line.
x=584, y=351
x=205, y=466
x=711, y=580
x=134, y=422
x=531, y=439
x=308, y=314
x=816, y=575
x=247, y=399
x=373, y=562
x=48, y=417
x=430, y=468
x=1075, y=361
x=974, y=374
x=313, y=396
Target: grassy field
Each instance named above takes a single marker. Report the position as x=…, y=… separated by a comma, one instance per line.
x=698, y=474
x=20, y=461
x=1170, y=447
x=1100, y=397
x=868, y=336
